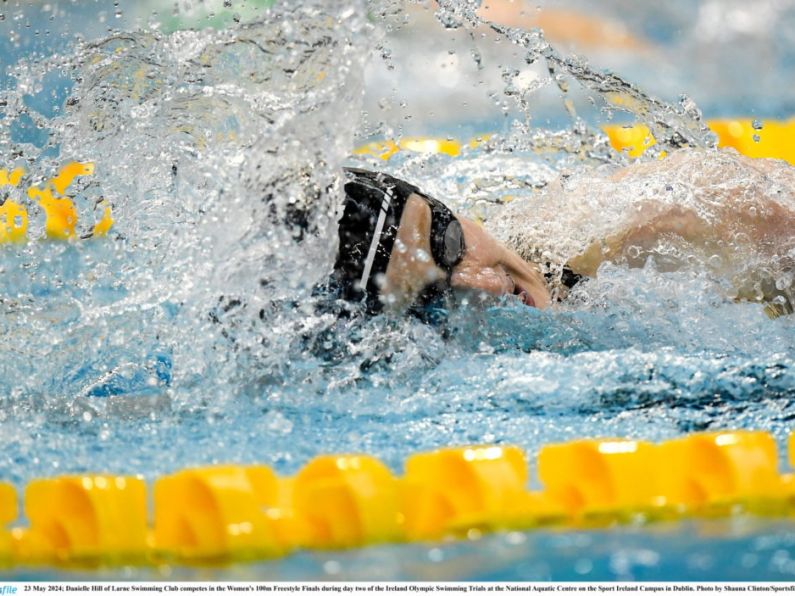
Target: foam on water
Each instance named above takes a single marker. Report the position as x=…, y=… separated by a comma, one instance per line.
x=191, y=335
x=223, y=148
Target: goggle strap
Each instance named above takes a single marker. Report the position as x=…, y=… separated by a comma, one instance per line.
x=379, y=228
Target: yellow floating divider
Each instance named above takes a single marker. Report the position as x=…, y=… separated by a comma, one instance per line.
x=13, y=216
x=60, y=211
x=221, y=512
x=633, y=140
x=346, y=500
x=8, y=513
x=105, y=223
x=387, y=148
x=719, y=468
x=67, y=174
x=13, y=222
x=768, y=138
x=85, y=517
x=455, y=489
x=61, y=216
x=225, y=513
x=12, y=177
x=789, y=479
x=597, y=476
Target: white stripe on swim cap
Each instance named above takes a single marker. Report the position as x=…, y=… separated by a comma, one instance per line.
x=379, y=227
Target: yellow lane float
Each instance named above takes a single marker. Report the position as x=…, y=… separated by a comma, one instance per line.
x=386, y=149
x=13, y=216
x=598, y=476
x=456, y=489
x=8, y=514
x=13, y=222
x=95, y=517
x=220, y=512
x=719, y=468
x=226, y=513
x=632, y=140
x=61, y=217
x=346, y=500
x=12, y=177
x=753, y=138
x=789, y=479
x=768, y=138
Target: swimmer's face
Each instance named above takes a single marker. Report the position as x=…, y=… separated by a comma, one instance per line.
x=487, y=266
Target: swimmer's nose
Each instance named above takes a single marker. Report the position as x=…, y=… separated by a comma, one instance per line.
x=489, y=280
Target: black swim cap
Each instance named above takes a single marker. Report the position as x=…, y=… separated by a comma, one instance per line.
x=373, y=207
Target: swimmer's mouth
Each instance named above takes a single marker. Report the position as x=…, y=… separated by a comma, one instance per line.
x=523, y=295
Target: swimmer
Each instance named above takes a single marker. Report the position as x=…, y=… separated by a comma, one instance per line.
x=401, y=249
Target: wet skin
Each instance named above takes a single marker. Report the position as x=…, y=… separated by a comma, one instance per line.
x=728, y=214
x=487, y=266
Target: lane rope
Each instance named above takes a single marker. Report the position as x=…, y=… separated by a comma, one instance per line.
x=245, y=512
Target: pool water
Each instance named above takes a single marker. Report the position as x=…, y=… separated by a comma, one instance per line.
x=716, y=550
x=190, y=335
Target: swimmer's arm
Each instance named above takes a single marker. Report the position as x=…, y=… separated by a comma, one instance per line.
x=764, y=225
x=766, y=233
x=643, y=234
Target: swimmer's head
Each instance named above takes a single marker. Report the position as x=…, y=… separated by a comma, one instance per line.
x=401, y=249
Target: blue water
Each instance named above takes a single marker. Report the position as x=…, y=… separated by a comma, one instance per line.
x=739, y=550
x=112, y=361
